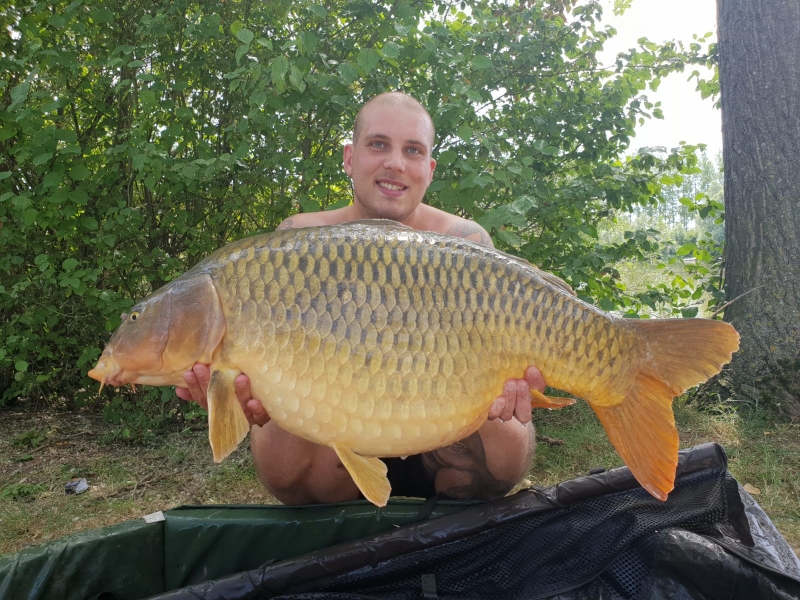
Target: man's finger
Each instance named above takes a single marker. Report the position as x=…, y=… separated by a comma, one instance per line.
x=535, y=379
x=203, y=374
x=510, y=395
x=256, y=415
x=496, y=409
x=195, y=391
x=522, y=406
x=242, y=386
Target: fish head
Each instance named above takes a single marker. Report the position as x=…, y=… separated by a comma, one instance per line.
x=164, y=335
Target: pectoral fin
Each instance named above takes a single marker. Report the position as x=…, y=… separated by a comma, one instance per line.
x=539, y=400
x=368, y=473
x=227, y=425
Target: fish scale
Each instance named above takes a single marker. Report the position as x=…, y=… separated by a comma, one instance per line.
x=378, y=341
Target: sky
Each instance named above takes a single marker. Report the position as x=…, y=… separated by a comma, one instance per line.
x=687, y=117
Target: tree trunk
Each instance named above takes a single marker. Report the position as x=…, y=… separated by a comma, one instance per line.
x=759, y=73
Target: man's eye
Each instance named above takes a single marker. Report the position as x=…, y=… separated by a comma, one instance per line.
x=414, y=151
x=377, y=144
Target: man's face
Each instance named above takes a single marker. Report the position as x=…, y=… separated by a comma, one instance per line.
x=390, y=162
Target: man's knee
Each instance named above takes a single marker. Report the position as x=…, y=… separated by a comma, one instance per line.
x=296, y=471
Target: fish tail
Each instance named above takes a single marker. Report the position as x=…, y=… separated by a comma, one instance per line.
x=675, y=355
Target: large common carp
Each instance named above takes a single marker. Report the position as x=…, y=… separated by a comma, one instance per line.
x=378, y=340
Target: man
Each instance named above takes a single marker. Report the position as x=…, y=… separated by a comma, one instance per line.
x=390, y=164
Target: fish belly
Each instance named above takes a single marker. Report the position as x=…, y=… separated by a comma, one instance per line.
x=397, y=343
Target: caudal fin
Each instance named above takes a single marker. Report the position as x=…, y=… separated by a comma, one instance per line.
x=674, y=355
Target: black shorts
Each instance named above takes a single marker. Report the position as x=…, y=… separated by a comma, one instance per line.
x=408, y=477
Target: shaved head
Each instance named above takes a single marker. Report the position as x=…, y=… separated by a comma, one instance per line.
x=399, y=99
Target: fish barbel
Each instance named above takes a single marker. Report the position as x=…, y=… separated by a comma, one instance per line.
x=378, y=340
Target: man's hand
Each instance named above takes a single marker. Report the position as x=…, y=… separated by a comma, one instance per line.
x=196, y=390
x=516, y=398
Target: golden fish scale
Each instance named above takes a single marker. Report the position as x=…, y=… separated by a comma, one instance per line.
x=397, y=344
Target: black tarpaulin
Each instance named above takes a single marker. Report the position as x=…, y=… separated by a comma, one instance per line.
x=600, y=536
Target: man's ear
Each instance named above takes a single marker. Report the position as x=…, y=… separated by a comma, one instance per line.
x=433, y=168
x=348, y=159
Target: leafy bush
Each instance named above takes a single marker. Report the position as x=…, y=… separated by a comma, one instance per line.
x=134, y=141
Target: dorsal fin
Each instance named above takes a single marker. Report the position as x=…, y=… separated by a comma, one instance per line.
x=384, y=223
x=556, y=281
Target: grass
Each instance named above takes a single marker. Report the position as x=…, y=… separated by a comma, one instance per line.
x=41, y=451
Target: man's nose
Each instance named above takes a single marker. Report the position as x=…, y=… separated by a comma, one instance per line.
x=395, y=160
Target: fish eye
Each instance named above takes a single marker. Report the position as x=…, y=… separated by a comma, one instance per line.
x=134, y=315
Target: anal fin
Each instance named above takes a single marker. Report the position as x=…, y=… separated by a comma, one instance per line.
x=368, y=473
x=539, y=400
x=227, y=425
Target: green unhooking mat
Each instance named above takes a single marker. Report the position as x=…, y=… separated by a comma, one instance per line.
x=599, y=536
x=192, y=544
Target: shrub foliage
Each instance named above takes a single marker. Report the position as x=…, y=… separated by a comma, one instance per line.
x=137, y=137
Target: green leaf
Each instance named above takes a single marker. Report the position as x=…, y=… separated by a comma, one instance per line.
x=296, y=78
x=52, y=179
x=7, y=131
x=465, y=133
x=79, y=172
x=42, y=158
x=69, y=264
x=481, y=62
x=280, y=65
x=90, y=223
x=21, y=366
x=240, y=52
x=391, y=50
x=57, y=21
x=348, y=72
x=135, y=64
x=686, y=249
x=29, y=216
x=368, y=59
x=318, y=10
x=689, y=312
x=19, y=93
x=308, y=42
x=448, y=157
x=244, y=35
x=509, y=237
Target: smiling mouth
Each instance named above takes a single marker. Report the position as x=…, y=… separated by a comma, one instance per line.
x=390, y=186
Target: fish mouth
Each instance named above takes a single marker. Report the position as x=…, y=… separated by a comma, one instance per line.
x=107, y=372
